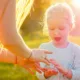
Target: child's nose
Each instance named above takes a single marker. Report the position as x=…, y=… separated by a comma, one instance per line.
x=56, y=32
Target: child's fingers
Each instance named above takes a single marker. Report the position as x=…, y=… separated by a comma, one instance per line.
x=55, y=63
x=44, y=69
x=54, y=72
x=49, y=73
x=58, y=66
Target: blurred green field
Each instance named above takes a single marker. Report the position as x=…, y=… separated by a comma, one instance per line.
x=14, y=72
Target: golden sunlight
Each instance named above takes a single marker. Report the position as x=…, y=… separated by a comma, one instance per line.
x=76, y=3
x=22, y=10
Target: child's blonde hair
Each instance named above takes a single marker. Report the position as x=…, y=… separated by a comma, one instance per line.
x=62, y=10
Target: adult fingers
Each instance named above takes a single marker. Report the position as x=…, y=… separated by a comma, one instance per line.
x=46, y=61
x=38, y=68
x=29, y=70
x=37, y=65
x=47, y=52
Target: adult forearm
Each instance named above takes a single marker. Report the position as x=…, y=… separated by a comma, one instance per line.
x=17, y=46
x=6, y=56
x=9, y=36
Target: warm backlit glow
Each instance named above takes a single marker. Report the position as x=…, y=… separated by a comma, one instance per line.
x=76, y=3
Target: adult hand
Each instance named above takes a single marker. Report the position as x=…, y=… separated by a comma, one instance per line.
x=40, y=55
x=29, y=65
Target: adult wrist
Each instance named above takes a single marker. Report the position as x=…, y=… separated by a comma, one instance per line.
x=29, y=54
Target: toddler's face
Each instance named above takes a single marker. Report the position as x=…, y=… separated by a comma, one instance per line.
x=58, y=29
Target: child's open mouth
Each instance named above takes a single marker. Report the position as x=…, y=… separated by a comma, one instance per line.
x=57, y=38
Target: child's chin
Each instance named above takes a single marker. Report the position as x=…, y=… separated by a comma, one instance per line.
x=57, y=41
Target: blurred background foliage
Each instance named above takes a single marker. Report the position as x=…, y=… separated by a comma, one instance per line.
x=30, y=18
x=29, y=22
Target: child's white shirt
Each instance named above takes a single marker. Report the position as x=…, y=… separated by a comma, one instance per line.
x=68, y=57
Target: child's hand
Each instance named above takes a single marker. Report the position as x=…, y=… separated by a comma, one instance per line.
x=61, y=69
x=58, y=66
x=49, y=72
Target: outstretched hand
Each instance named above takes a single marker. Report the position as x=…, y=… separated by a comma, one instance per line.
x=29, y=65
x=58, y=66
x=61, y=69
x=40, y=55
x=32, y=63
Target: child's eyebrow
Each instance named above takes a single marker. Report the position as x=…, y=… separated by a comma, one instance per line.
x=61, y=26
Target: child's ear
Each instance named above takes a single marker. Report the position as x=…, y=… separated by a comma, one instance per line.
x=71, y=27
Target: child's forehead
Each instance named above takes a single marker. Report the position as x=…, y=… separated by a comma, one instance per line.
x=57, y=22
x=60, y=10
x=58, y=17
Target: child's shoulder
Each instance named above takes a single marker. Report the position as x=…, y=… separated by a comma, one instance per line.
x=75, y=47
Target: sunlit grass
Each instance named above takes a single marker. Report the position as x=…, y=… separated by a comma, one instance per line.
x=14, y=72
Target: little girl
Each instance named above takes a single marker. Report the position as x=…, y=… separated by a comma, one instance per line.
x=65, y=60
